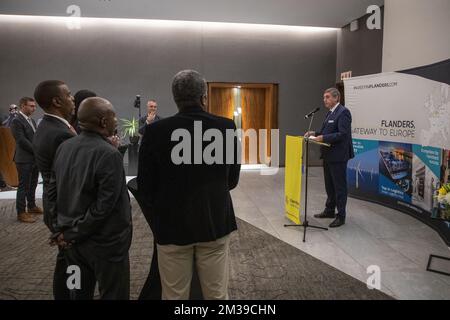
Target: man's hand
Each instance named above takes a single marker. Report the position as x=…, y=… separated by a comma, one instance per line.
x=114, y=140
x=59, y=241
x=150, y=117
x=309, y=133
x=318, y=139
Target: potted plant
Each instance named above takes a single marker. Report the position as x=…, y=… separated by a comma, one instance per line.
x=131, y=129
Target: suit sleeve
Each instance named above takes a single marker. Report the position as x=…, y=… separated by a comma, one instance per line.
x=142, y=125
x=50, y=212
x=18, y=132
x=344, y=129
x=235, y=169
x=109, y=176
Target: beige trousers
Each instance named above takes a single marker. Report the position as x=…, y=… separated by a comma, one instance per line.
x=212, y=263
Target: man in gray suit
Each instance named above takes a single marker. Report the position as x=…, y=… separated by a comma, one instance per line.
x=23, y=128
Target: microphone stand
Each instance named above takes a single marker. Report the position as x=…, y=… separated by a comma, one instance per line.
x=139, y=109
x=305, y=223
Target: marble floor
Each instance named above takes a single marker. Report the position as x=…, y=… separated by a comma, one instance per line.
x=373, y=235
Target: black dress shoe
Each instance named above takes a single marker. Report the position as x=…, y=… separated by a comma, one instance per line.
x=325, y=215
x=337, y=222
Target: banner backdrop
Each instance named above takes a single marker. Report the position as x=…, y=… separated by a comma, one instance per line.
x=401, y=138
x=293, y=178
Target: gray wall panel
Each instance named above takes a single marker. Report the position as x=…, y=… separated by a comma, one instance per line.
x=121, y=60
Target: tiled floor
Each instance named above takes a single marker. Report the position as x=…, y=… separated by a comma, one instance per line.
x=373, y=235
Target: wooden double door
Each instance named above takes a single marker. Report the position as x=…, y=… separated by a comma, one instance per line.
x=251, y=106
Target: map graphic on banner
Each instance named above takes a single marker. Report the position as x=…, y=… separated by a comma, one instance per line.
x=401, y=139
x=402, y=108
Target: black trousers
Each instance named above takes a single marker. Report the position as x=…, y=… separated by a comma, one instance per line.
x=113, y=277
x=335, y=175
x=60, y=290
x=28, y=180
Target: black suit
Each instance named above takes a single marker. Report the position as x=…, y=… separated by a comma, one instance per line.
x=336, y=130
x=49, y=135
x=23, y=133
x=187, y=203
x=143, y=123
x=94, y=212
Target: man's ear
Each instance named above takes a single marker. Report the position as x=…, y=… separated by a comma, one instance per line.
x=103, y=122
x=56, y=101
x=204, y=101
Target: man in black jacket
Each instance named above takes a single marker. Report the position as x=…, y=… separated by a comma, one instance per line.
x=55, y=98
x=189, y=201
x=150, y=117
x=93, y=206
x=23, y=128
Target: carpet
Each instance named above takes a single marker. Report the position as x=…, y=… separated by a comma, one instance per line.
x=262, y=266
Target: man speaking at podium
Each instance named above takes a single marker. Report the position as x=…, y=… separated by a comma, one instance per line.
x=336, y=130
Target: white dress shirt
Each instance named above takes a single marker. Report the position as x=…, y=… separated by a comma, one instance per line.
x=334, y=108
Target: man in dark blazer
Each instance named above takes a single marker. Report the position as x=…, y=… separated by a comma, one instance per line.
x=189, y=202
x=55, y=98
x=93, y=205
x=336, y=130
x=150, y=117
x=23, y=128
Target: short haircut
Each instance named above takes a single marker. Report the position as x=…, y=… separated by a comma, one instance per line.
x=23, y=101
x=82, y=95
x=46, y=91
x=188, y=87
x=334, y=92
x=151, y=100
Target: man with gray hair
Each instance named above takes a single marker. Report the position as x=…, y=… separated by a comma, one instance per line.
x=336, y=130
x=189, y=203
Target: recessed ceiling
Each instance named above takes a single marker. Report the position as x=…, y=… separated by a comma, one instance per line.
x=316, y=13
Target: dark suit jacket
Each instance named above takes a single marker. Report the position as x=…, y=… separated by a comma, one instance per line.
x=187, y=203
x=337, y=131
x=23, y=133
x=92, y=202
x=49, y=135
x=143, y=123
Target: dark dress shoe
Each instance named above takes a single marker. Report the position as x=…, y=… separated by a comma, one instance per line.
x=337, y=222
x=325, y=215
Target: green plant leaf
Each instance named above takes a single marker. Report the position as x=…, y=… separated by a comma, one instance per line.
x=130, y=127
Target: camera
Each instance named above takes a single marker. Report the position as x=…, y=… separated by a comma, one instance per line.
x=137, y=102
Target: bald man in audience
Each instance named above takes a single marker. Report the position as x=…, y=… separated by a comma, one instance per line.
x=93, y=207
